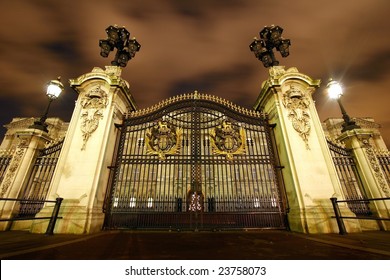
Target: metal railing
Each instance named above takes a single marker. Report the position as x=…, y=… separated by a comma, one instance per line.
x=349, y=178
x=339, y=217
x=53, y=218
x=39, y=180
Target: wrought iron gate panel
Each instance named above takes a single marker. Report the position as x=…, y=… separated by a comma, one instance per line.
x=39, y=181
x=349, y=178
x=193, y=184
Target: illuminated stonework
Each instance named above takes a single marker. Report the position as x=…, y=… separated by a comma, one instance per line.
x=93, y=104
x=14, y=165
x=297, y=104
x=376, y=167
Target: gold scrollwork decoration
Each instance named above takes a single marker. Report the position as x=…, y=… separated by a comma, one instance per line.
x=163, y=139
x=228, y=140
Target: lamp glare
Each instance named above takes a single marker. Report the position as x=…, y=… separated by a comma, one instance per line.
x=334, y=90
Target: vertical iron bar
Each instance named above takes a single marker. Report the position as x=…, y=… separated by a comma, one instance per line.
x=340, y=222
x=54, y=216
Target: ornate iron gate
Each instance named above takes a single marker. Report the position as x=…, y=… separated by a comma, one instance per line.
x=195, y=161
x=38, y=184
x=349, y=178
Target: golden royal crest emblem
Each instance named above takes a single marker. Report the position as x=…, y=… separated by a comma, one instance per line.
x=228, y=140
x=163, y=139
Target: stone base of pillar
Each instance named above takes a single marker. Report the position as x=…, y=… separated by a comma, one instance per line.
x=368, y=225
x=4, y=225
x=316, y=219
x=382, y=212
x=74, y=219
x=24, y=225
x=9, y=210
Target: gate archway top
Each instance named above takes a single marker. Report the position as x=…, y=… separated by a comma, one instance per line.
x=201, y=97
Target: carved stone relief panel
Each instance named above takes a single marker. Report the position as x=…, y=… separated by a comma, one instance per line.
x=93, y=103
x=297, y=104
x=376, y=167
x=14, y=165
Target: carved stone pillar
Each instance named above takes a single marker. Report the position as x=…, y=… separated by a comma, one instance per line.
x=16, y=176
x=309, y=174
x=81, y=176
x=373, y=179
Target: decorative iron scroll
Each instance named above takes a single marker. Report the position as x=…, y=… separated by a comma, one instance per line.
x=199, y=96
x=297, y=104
x=147, y=192
x=163, y=139
x=228, y=140
x=93, y=104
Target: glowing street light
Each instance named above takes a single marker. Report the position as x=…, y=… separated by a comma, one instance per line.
x=54, y=89
x=335, y=91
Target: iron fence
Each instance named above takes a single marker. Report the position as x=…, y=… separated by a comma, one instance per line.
x=210, y=213
x=349, y=178
x=38, y=184
x=339, y=217
x=53, y=218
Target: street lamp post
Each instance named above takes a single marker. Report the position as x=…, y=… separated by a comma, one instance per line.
x=335, y=91
x=54, y=89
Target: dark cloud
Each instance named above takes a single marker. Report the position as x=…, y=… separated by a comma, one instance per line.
x=215, y=79
x=195, y=45
x=372, y=69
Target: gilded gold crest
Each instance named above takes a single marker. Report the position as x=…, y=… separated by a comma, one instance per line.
x=228, y=140
x=163, y=139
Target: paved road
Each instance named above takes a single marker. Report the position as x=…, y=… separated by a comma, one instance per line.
x=139, y=245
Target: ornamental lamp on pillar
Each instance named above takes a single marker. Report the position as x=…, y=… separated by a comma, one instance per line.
x=270, y=37
x=54, y=89
x=118, y=37
x=283, y=47
x=335, y=91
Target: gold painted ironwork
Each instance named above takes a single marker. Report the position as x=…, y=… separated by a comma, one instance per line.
x=166, y=174
x=163, y=139
x=228, y=140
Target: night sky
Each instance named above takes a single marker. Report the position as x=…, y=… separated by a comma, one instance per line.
x=195, y=45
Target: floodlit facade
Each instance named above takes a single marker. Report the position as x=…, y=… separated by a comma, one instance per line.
x=194, y=162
